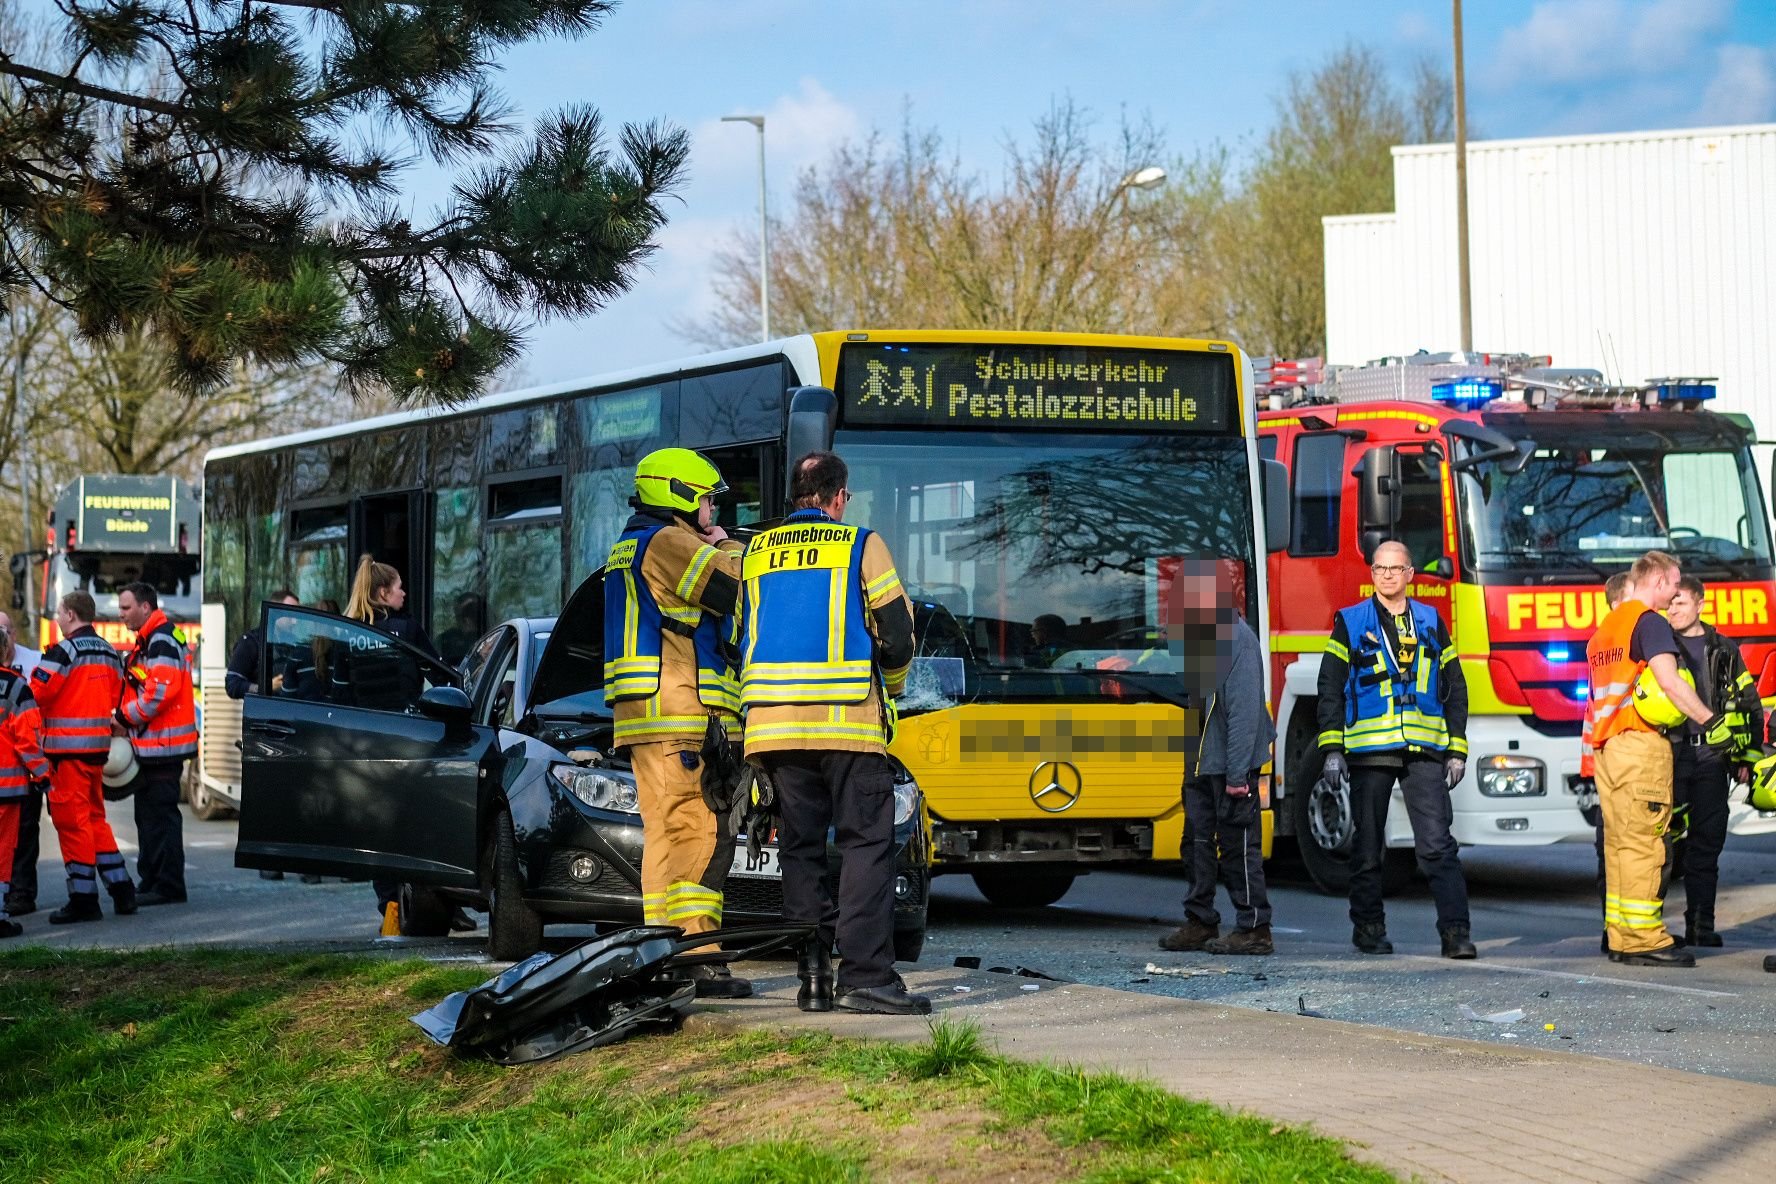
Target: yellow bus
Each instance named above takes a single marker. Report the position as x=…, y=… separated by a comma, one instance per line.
x=1037, y=490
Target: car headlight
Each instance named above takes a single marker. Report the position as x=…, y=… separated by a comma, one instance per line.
x=906, y=798
x=1510, y=776
x=602, y=789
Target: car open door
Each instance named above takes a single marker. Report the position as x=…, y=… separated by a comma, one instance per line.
x=358, y=757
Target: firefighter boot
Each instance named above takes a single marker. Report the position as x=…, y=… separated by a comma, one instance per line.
x=1699, y=932
x=814, y=968
x=1371, y=937
x=715, y=982
x=1255, y=940
x=79, y=908
x=891, y=998
x=1192, y=935
x=1456, y=943
x=123, y=898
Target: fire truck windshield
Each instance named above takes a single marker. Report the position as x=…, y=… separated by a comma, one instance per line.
x=1591, y=501
x=104, y=574
x=1038, y=563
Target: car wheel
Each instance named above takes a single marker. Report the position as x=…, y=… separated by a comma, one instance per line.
x=1021, y=888
x=514, y=929
x=205, y=806
x=423, y=913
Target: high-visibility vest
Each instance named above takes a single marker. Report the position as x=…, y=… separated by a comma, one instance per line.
x=1388, y=709
x=1613, y=674
x=160, y=709
x=805, y=637
x=635, y=625
x=78, y=685
x=21, y=754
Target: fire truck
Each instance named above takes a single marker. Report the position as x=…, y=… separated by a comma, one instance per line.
x=1518, y=488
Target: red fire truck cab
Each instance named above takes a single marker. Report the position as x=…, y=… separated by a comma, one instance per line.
x=1518, y=489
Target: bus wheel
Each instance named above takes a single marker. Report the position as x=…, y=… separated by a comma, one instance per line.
x=1019, y=888
x=206, y=806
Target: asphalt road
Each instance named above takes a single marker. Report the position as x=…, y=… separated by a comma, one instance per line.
x=1535, y=922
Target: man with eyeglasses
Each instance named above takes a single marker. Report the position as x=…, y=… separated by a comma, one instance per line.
x=1393, y=708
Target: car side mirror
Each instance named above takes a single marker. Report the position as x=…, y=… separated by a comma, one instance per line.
x=448, y=705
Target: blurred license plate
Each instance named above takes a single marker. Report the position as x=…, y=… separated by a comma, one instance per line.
x=763, y=868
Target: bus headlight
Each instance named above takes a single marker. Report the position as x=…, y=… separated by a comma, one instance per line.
x=602, y=789
x=1511, y=777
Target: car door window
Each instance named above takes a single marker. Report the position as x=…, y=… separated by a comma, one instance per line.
x=319, y=658
x=475, y=665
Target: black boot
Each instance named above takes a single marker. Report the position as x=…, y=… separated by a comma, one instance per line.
x=123, y=898
x=1371, y=937
x=716, y=982
x=891, y=998
x=10, y=928
x=814, y=968
x=78, y=908
x=1456, y=943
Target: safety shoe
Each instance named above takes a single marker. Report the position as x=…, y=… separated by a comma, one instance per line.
x=1255, y=940
x=1456, y=943
x=123, y=899
x=891, y=998
x=1192, y=935
x=814, y=968
x=1371, y=937
x=1664, y=956
x=78, y=908
x=10, y=929
x=20, y=905
x=149, y=899
x=716, y=982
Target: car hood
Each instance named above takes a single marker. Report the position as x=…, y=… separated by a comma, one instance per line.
x=573, y=657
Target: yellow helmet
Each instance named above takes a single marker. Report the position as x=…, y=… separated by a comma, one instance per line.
x=1653, y=704
x=676, y=479
x=1763, y=783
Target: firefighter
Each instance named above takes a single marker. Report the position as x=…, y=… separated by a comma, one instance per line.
x=1701, y=774
x=77, y=686
x=670, y=586
x=1638, y=694
x=827, y=643
x=160, y=717
x=1615, y=589
x=1393, y=707
x=23, y=770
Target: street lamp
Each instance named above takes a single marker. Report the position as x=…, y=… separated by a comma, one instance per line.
x=1151, y=177
x=758, y=121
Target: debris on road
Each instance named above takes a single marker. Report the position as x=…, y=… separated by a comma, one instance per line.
x=968, y=962
x=1497, y=1017
x=1022, y=972
x=1301, y=1008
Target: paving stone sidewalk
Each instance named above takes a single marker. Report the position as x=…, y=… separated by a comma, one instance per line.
x=1428, y=1107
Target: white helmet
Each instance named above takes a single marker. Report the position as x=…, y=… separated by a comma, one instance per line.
x=120, y=765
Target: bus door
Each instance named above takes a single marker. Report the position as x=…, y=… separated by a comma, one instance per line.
x=389, y=526
x=754, y=476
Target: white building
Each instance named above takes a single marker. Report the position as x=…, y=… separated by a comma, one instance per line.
x=1645, y=254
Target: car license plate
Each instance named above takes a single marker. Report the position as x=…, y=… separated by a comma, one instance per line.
x=765, y=867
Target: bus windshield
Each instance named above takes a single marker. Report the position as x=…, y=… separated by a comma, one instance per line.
x=104, y=574
x=1038, y=562
x=1591, y=505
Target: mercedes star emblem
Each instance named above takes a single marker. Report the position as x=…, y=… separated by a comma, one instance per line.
x=1055, y=786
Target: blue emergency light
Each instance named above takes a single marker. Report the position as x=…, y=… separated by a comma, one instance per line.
x=1559, y=653
x=1582, y=690
x=1685, y=392
x=1468, y=394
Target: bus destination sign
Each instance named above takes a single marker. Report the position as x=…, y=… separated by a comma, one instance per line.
x=1003, y=387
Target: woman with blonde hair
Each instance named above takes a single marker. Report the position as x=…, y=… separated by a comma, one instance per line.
x=378, y=598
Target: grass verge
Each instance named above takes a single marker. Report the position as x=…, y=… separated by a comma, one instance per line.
x=211, y=1065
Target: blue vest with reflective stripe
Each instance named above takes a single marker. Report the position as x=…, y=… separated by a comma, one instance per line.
x=804, y=636
x=635, y=624
x=1386, y=708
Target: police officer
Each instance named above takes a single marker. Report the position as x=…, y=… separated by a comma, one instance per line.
x=1701, y=773
x=827, y=642
x=1638, y=693
x=670, y=586
x=1394, y=708
x=160, y=717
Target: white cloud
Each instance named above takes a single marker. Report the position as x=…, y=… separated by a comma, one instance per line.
x=1743, y=88
x=1569, y=41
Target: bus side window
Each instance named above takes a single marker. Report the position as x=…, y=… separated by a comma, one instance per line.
x=1316, y=493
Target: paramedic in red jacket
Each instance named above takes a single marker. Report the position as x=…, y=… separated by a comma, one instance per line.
x=22, y=769
x=160, y=718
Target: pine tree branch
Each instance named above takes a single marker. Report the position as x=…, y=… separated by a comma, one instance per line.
x=87, y=89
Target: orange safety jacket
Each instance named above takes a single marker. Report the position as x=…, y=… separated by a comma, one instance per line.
x=158, y=706
x=78, y=684
x=21, y=728
x=1613, y=673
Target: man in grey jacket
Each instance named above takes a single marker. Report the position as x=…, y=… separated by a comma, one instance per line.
x=1225, y=837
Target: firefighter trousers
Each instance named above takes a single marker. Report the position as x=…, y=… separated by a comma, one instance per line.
x=1634, y=789
x=686, y=847
x=77, y=808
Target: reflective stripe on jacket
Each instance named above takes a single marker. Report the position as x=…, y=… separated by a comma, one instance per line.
x=21, y=728
x=1387, y=709
x=78, y=686
x=1613, y=673
x=804, y=636
x=159, y=708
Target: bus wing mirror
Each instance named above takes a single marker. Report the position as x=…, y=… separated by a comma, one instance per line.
x=813, y=418
x=1276, y=505
x=1378, y=489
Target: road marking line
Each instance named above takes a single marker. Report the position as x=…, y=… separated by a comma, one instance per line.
x=1583, y=978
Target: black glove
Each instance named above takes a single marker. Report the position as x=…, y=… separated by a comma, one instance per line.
x=1453, y=769
x=1335, y=768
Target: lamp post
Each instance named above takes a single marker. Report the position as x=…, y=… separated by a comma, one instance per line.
x=758, y=121
x=1151, y=177
x=1461, y=191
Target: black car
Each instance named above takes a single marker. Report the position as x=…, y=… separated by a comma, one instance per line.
x=494, y=786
